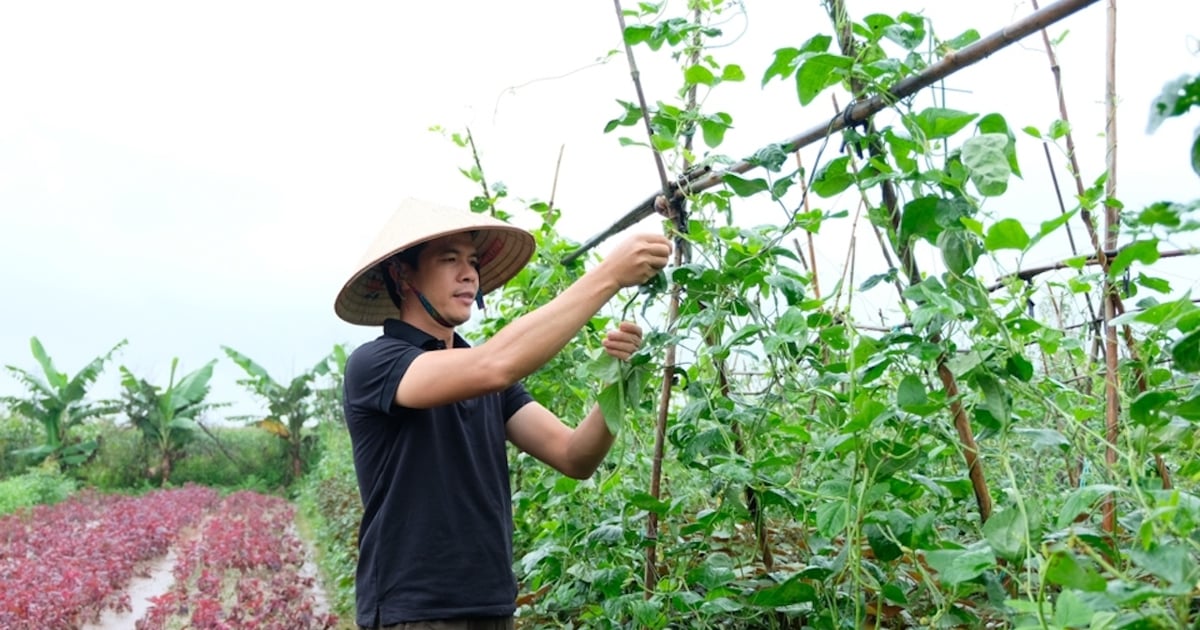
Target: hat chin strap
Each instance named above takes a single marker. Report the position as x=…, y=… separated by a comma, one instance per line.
x=433, y=312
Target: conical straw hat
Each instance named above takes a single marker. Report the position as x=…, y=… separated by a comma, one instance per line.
x=503, y=251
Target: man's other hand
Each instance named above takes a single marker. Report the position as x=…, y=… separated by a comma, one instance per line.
x=623, y=341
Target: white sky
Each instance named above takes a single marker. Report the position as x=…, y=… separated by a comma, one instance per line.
x=187, y=176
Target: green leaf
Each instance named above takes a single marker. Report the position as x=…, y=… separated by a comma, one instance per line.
x=1071, y=611
x=638, y=33
x=699, y=75
x=193, y=387
x=937, y=122
x=733, y=72
x=1171, y=562
x=911, y=392
x=1196, y=154
x=1186, y=352
x=1143, y=251
x=714, y=128
x=1081, y=502
x=987, y=163
x=1006, y=234
x=1058, y=129
x=1044, y=438
x=926, y=217
x=1007, y=531
x=995, y=123
x=1177, y=97
x=968, y=37
x=794, y=591
x=646, y=501
x=1064, y=569
x=1147, y=408
x=661, y=142
x=1049, y=227
x=955, y=566
x=833, y=177
x=783, y=66
x=56, y=379
x=1020, y=367
x=832, y=518
x=960, y=250
x=995, y=397
x=745, y=187
x=819, y=72
x=884, y=547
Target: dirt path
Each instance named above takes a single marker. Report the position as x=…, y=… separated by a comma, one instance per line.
x=140, y=590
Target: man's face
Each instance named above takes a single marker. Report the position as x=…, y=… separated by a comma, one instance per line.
x=447, y=275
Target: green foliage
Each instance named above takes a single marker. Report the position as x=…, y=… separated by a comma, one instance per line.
x=289, y=406
x=236, y=458
x=166, y=416
x=121, y=462
x=329, y=502
x=1177, y=98
x=42, y=485
x=17, y=434
x=59, y=403
x=793, y=430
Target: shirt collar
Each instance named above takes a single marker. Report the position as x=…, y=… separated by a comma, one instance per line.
x=405, y=331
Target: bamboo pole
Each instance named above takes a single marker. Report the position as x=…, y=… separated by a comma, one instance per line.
x=674, y=207
x=1111, y=228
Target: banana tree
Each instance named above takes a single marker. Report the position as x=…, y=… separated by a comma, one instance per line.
x=166, y=417
x=289, y=406
x=58, y=403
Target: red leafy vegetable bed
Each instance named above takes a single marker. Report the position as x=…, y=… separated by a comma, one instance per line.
x=243, y=571
x=62, y=565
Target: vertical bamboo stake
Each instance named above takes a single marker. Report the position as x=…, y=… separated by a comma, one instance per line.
x=812, y=253
x=1112, y=226
x=1085, y=215
x=673, y=206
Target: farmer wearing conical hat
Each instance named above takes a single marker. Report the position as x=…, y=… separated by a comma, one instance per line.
x=428, y=414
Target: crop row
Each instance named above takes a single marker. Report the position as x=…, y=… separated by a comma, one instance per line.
x=244, y=570
x=61, y=565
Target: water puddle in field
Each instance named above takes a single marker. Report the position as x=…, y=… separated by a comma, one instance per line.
x=157, y=581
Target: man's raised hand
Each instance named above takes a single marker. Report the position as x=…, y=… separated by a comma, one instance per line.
x=637, y=259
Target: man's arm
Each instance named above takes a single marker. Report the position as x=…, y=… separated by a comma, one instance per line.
x=523, y=346
x=573, y=452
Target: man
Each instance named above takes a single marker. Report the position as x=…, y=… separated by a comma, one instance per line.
x=428, y=415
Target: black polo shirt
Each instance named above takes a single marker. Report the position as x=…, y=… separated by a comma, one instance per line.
x=436, y=536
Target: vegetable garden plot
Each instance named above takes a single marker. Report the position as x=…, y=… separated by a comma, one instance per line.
x=63, y=565
x=242, y=571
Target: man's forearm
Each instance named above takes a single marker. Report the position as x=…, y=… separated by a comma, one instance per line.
x=531, y=340
x=589, y=444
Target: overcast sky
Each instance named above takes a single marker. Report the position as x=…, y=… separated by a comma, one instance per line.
x=191, y=175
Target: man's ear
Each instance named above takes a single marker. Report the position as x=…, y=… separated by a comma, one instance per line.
x=398, y=272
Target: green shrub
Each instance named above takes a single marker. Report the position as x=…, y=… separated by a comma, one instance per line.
x=16, y=433
x=331, y=510
x=119, y=463
x=236, y=458
x=39, y=486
